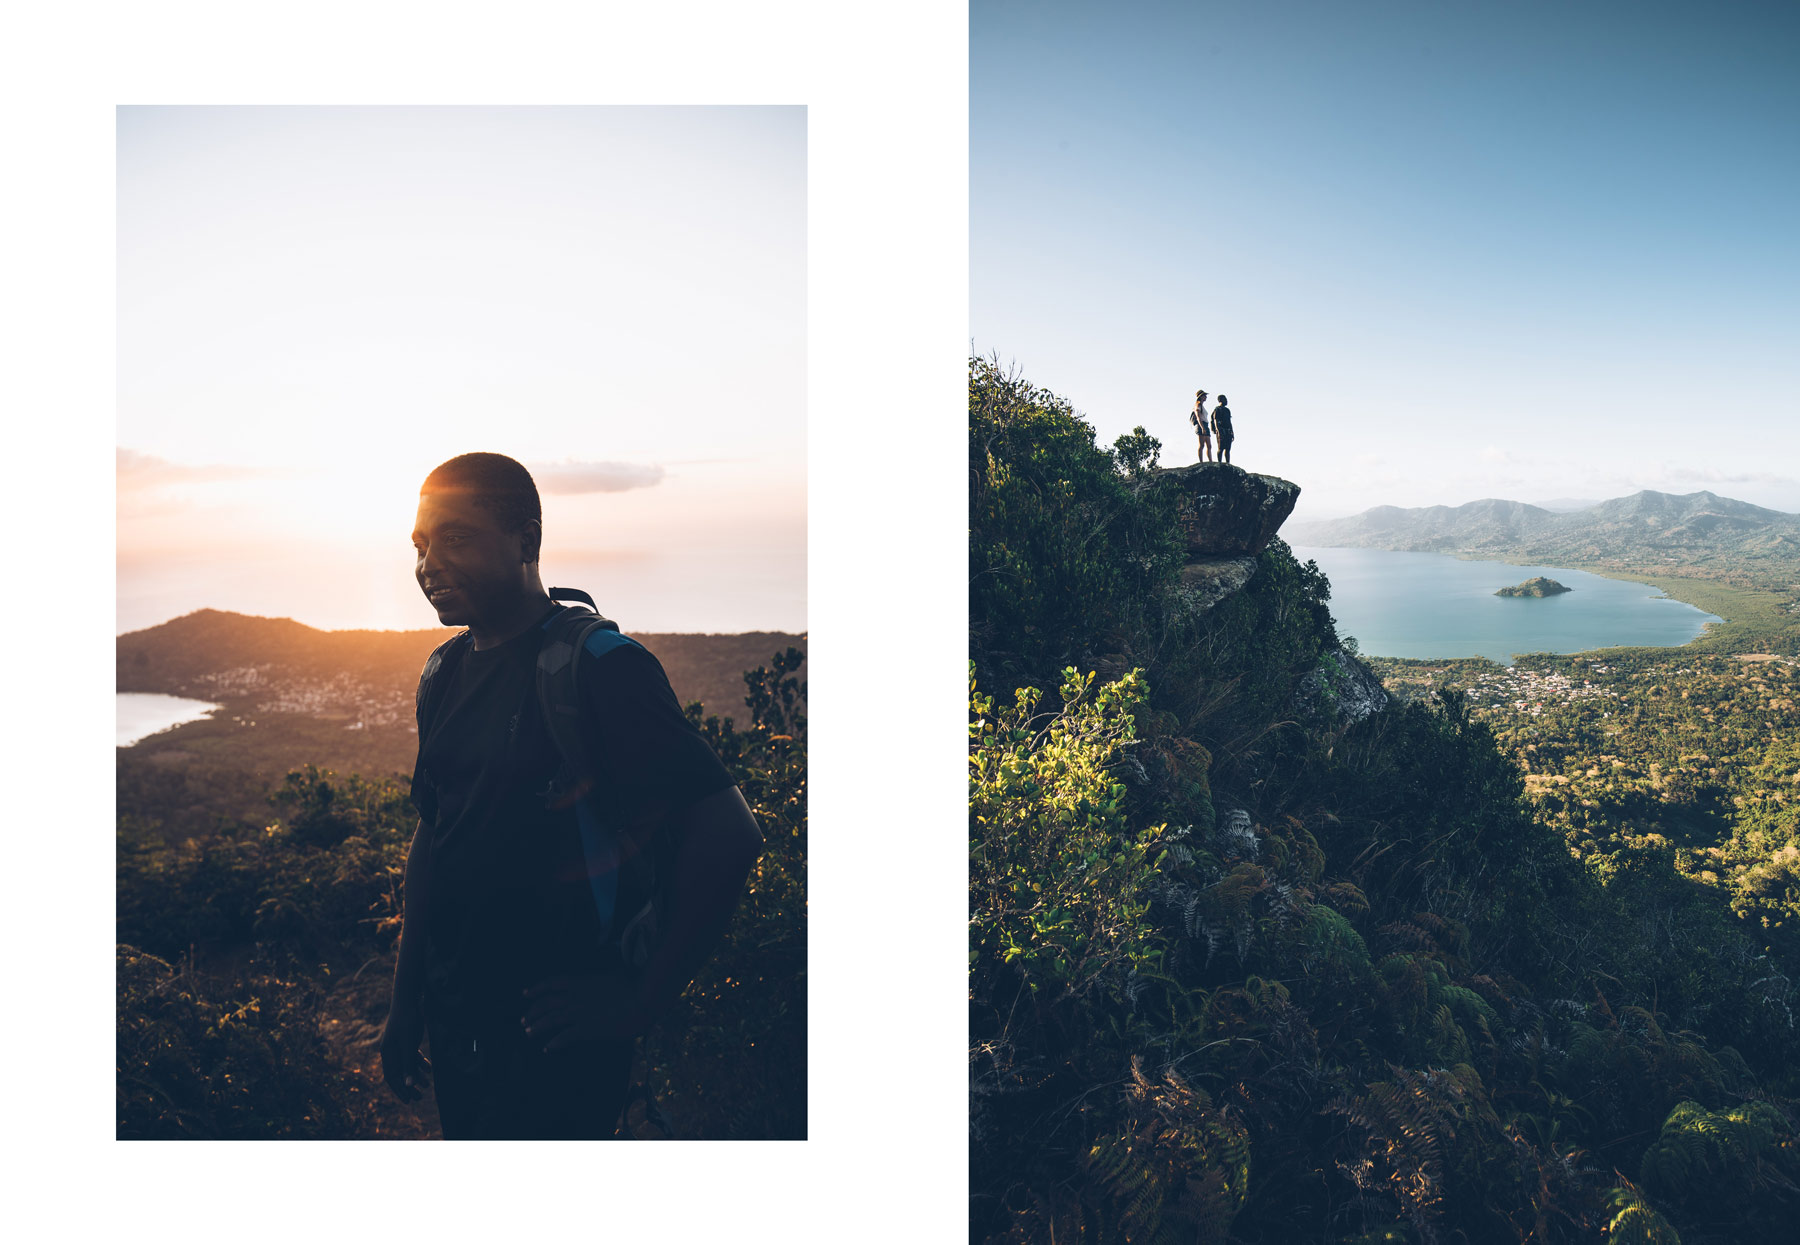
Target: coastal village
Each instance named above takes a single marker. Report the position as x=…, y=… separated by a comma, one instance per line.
x=1529, y=691
x=251, y=690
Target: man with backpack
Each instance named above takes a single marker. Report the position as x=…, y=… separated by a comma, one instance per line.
x=580, y=848
x=1221, y=418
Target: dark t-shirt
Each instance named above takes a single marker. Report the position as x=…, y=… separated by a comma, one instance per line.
x=510, y=903
x=1222, y=421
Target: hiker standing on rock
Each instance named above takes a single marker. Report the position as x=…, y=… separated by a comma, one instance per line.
x=1197, y=417
x=580, y=848
x=1221, y=418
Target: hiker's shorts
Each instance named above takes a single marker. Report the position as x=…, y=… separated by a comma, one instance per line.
x=505, y=1088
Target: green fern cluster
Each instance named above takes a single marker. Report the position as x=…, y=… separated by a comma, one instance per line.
x=1177, y=1171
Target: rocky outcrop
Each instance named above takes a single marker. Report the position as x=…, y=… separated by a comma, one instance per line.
x=1207, y=582
x=1341, y=688
x=1226, y=512
x=1227, y=516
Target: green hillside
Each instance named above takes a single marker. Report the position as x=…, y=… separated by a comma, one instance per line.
x=1255, y=957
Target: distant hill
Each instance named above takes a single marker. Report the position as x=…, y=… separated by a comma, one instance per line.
x=343, y=700
x=1701, y=533
x=371, y=675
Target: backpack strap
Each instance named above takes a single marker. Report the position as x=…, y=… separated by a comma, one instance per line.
x=434, y=679
x=435, y=676
x=570, y=635
x=620, y=875
x=576, y=594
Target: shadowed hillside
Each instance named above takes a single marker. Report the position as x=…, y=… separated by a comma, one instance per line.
x=1260, y=954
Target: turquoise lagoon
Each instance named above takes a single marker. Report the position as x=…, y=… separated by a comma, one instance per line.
x=1434, y=605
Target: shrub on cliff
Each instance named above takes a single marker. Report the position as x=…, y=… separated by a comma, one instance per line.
x=1068, y=543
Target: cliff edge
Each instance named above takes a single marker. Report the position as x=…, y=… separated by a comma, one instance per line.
x=1227, y=516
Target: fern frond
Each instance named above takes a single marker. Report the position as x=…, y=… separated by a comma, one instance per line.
x=1633, y=1221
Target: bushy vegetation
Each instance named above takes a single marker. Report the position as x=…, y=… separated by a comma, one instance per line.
x=1068, y=544
x=1244, y=972
x=253, y=960
x=1689, y=758
x=730, y=1063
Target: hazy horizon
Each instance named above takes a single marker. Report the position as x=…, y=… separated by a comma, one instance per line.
x=317, y=305
x=1432, y=253
x=434, y=626
x=1561, y=505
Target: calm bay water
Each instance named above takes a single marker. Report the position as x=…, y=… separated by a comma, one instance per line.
x=142, y=714
x=1434, y=605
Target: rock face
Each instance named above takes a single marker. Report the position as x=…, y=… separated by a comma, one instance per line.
x=1207, y=582
x=1226, y=512
x=1342, y=688
x=1227, y=516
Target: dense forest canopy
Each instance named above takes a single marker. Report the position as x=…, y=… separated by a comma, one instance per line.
x=1252, y=961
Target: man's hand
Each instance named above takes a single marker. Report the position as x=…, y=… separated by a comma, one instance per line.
x=564, y=1010
x=404, y=1069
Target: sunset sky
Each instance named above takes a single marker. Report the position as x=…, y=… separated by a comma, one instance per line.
x=1432, y=252
x=318, y=305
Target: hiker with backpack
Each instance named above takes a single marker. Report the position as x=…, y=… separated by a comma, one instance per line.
x=1221, y=418
x=1197, y=417
x=579, y=850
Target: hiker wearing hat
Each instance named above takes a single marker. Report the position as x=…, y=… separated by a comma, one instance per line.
x=1197, y=417
x=1221, y=418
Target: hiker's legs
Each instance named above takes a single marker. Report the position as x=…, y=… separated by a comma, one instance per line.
x=1225, y=449
x=516, y=1092
x=578, y=1093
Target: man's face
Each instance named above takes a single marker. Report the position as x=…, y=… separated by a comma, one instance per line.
x=469, y=566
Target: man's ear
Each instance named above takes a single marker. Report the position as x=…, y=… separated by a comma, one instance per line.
x=531, y=540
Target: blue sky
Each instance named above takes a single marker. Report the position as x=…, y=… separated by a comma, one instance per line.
x=1433, y=252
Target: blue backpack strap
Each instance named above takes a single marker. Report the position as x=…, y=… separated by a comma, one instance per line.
x=571, y=636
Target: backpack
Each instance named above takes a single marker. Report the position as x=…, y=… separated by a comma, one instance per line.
x=623, y=873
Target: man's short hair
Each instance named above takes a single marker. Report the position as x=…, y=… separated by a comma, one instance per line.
x=500, y=485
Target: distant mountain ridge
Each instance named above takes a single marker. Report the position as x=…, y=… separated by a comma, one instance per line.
x=285, y=665
x=1702, y=531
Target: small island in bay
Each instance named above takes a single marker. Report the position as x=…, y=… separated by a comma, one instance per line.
x=1536, y=586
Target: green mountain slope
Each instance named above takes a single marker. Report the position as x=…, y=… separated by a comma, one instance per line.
x=1255, y=956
